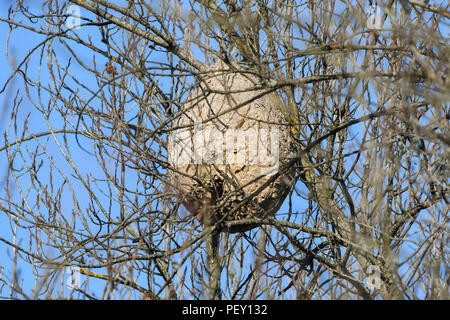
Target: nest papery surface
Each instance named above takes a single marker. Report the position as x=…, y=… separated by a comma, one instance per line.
x=226, y=145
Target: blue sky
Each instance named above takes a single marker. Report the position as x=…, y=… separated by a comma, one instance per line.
x=22, y=41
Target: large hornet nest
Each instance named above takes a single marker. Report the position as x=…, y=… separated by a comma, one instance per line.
x=227, y=141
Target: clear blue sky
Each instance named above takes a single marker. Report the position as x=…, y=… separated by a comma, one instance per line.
x=19, y=45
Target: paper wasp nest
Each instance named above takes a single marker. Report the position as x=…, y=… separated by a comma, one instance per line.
x=227, y=141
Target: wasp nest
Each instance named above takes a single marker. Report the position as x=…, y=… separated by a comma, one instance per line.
x=226, y=144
